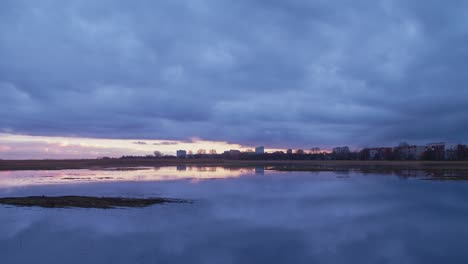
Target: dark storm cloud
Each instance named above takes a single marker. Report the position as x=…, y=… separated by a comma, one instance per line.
x=255, y=72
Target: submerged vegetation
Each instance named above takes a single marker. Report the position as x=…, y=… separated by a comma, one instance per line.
x=85, y=201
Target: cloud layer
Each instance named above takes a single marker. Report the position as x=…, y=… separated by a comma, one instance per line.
x=252, y=72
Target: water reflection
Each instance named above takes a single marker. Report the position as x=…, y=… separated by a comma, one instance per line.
x=260, y=170
x=277, y=217
x=25, y=178
x=184, y=172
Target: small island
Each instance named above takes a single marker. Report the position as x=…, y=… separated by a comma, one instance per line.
x=85, y=201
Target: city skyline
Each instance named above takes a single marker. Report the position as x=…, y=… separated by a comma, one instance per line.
x=40, y=147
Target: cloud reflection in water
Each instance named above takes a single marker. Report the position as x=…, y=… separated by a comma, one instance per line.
x=295, y=217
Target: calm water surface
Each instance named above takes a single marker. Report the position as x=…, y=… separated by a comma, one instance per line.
x=239, y=216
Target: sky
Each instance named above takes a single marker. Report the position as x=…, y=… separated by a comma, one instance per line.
x=296, y=73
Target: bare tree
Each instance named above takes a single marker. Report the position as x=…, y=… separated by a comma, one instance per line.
x=315, y=150
x=300, y=151
x=201, y=151
x=157, y=154
x=213, y=151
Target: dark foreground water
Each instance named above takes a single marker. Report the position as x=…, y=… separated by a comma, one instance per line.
x=239, y=216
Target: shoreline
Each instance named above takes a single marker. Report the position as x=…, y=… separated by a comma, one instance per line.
x=300, y=165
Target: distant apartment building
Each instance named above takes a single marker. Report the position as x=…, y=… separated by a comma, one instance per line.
x=432, y=151
x=438, y=145
x=341, y=150
x=445, y=151
x=410, y=152
x=181, y=154
x=382, y=153
x=452, y=151
x=260, y=150
x=435, y=151
x=289, y=151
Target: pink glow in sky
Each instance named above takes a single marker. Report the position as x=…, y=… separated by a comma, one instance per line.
x=39, y=147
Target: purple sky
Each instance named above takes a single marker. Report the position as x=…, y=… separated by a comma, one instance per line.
x=282, y=74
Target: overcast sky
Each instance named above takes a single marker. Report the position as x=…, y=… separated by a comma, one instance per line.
x=252, y=72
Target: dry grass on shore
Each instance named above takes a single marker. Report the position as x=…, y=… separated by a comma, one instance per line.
x=313, y=165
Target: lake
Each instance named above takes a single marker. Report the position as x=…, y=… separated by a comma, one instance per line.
x=247, y=215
